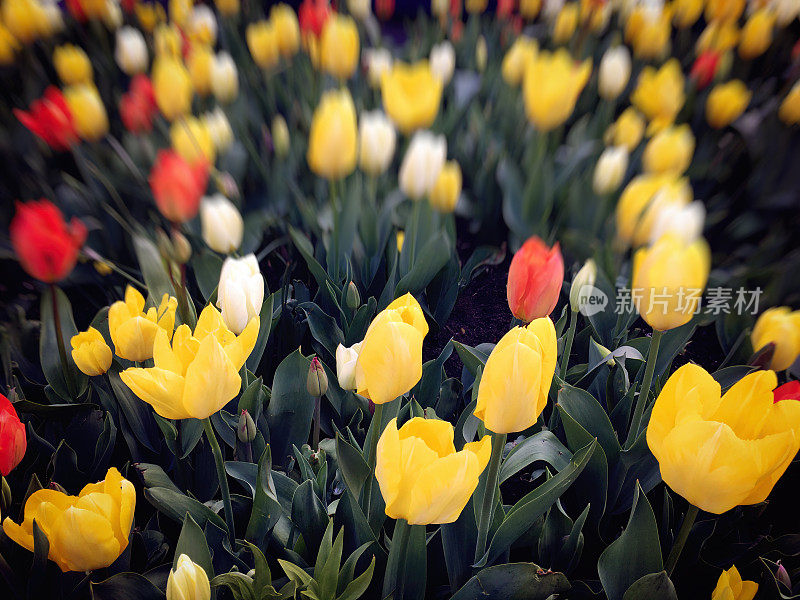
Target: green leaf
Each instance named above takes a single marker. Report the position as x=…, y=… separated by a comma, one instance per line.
x=354, y=468
x=263, y=576
x=471, y=357
x=309, y=514
x=295, y=573
x=266, y=509
x=513, y=581
x=323, y=327
x=69, y=384
x=305, y=248
x=152, y=267
x=206, y=266
x=358, y=587
x=541, y=446
x=192, y=543
x=137, y=413
x=428, y=262
x=265, y=327
x=41, y=549
x=239, y=584
x=290, y=409
x=126, y=586
x=175, y=505
x=654, y=586
x=406, y=569
x=583, y=407
x=327, y=575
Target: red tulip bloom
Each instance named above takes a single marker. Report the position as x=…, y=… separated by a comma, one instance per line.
x=178, y=185
x=787, y=391
x=704, y=69
x=505, y=8
x=12, y=437
x=534, y=280
x=138, y=107
x=312, y=16
x=46, y=246
x=384, y=9
x=50, y=119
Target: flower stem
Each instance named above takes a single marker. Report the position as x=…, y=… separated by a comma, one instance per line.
x=372, y=452
x=397, y=560
x=223, y=479
x=680, y=540
x=573, y=323
x=641, y=401
x=62, y=351
x=317, y=415
x=492, y=473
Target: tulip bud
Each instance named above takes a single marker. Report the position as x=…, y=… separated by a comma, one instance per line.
x=317, y=381
x=339, y=46
x=227, y=8
x=789, y=111
x=422, y=164
x=610, y=170
x=346, y=359
x=443, y=61
x=481, y=54
x=222, y=224
x=360, y=9
x=534, y=280
x=447, y=189
x=181, y=248
x=333, y=137
x=376, y=142
x=86, y=106
x=131, y=51
x=54, y=485
x=13, y=441
x=353, y=298
x=585, y=277
x=90, y=352
x=163, y=244
x=202, y=25
x=240, y=293
x=615, y=70
x=219, y=129
x=224, y=78
x=785, y=11
x=603, y=351
x=670, y=151
x=72, y=65
x=188, y=581
x=726, y=103
x=780, y=326
x=782, y=575
x=246, y=429
x=280, y=136
x=705, y=68
x=683, y=220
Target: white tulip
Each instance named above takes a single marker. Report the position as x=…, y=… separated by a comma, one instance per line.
x=684, y=220
x=346, y=359
x=203, y=24
x=224, y=78
x=585, y=277
x=222, y=224
x=360, y=9
x=220, y=129
x=131, y=52
x=615, y=70
x=376, y=142
x=422, y=164
x=443, y=61
x=551, y=9
x=53, y=20
x=439, y=8
x=240, y=293
x=188, y=581
x=113, y=16
x=785, y=11
x=610, y=169
x=378, y=62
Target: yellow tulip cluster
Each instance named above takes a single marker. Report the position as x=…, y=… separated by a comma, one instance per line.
x=276, y=37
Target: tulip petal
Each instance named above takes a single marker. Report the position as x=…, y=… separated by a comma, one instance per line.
x=437, y=434
x=390, y=361
x=160, y=388
x=443, y=489
x=84, y=541
x=211, y=380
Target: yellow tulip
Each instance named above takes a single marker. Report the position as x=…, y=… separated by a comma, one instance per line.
x=529, y=9
x=648, y=30
x=731, y=587
x=447, y=189
x=627, y=130
x=86, y=532
x=659, y=94
x=565, y=24
x=72, y=65
x=149, y=14
x=686, y=12
x=643, y=200
x=333, y=139
x=517, y=377
x=339, y=46
x=779, y=326
x=595, y=15
x=287, y=28
x=789, y=111
x=726, y=102
x=180, y=11
x=134, y=331
x=670, y=151
x=721, y=451
x=551, y=86
x=719, y=37
x=191, y=138
x=515, y=62
x=421, y=476
x=8, y=46
x=262, y=40
x=399, y=239
x=724, y=10
x=172, y=85
x=198, y=374
x=86, y=106
x=90, y=352
x=476, y=7
x=757, y=34
x=227, y=8
x=411, y=95
x=167, y=40
x=390, y=361
x=200, y=64
x=668, y=280
x=188, y=581
x=25, y=19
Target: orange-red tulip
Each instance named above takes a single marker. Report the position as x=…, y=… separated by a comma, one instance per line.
x=178, y=185
x=534, y=280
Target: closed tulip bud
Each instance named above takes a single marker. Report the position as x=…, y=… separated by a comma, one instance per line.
x=718, y=36
x=339, y=46
x=615, y=70
x=262, y=40
x=91, y=120
x=534, y=280
x=246, y=428
x=181, y=248
x=222, y=224
x=411, y=95
x=240, y=293
x=443, y=61
x=660, y=95
x=731, y=587
x=683, y=220
x=346, y=359
x=280, y=136
x=390, y=360
x=705, y=68
x=476, y=6
x=163, y=244
x=132, y=330
x=515, y=62
x=610, y=170
x=686, y=12
x=25, y=19
x=627, y=130
x=332, y=141
x=378, y=61
x=172, y=85
x=670, y=151
x=13, y=441
x=287, y=29
x=517, y=377
x=86, y=532
x=72, y=65
x=726, y=103
x=188, y=581
x=421, y=476
x=757, y=34
x=8, y=46
x=648, y=30
x=376, y=142
x=566, y=23
x=551, y=86
x=789, y=111
x=668, y=278
x=224, y=78
x=219, y=128
x=399, y=239
x=198, y=373
x=191, y=139
x=131, y=51
x=353, y=298
x=317, y=380
x=447, y=189
x=178, y=185
x=167, y=40
x=782, y=575
x=710, y=447
x=529, y=9
x=422, y=164
x=724, y=10
x=481, y=54
x=200, y=63
x=90, y=352
x=584, y=278
x=779, y=326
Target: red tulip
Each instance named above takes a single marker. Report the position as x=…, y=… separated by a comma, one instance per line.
x=12, y=437
x=312, y=15
x=534, y=280
x=505, y=8
x=787, y=391
x=46, y=246
x=704, y=68
x=50, y=119
x=178, y=185
x=138, y=107
x=384, y=9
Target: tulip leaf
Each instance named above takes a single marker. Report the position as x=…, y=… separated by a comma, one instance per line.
x=471, y=357
x=69, y=384
x=41, y=549
x=458, y=541
x=513, y=581
x=305, y=248
x=265, y=327
x=152, y=267
x=309, y=514
x=323, y=327
x=654, y=586
x=354, y=468
x=207, y=267
x=429, y=260
x=176, y=504
x=533, y=505
x=587, y=411
x=137, y=413
x=240, y=585
x=406, y=568
x=290, y=408
x=192, y=542
x=126, y=586
x=540, y=446
x=266, y=509
x=634, y=554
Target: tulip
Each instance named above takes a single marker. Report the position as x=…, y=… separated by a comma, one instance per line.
x=13, y=441
x=86, y=106
x=149, y=14
x=476, y=6
x=411, y=95
x=168, y=41
x=421, y=476
x=132, y=330
x=180, y=11
x=227, y=8
x=131, y=51
x=188, y=581
x=72, y=65
x=222, y=224
x=172, y=85
x=47, y=248
x=178, y=185
x=627, y=131
x=390, y=360
x=25, y=19
x=731, y=587
x=332, y=141
x=346, y=359
x=641, y=203
x=668, y=279
x=339, y=46
x=200, y=64
x=517, y=377
x=722, y=450
x=779, y=326
x=481, y=54
x=202, y=25
x=551, y=86
x=378, y=61
x=90, y=352
x=8, y=46
x=50, y=119
x=704, y=69
x=757, y=34
x=724, y=10
x=787, y=391
x=534, y=280
x=515, y=62
x=86, y=532
x=610, y=170
x=529, y=9
x=443, y=61
x=726, y=103
x=686, y=12
x=670, y=151
x=660, y=95
x=240, y=293
x=198, y=374
x=313, y=14
x=445, y=192
x=719, y=37
x=262, y=40
x=316, y=380
x=400, y=237
x=683, y=220
x=789, y=111
x=219, y=128
x=376, y=142
x=615, y=70
x=138, y=106
x=565, y=24
x=280, y=136
x=246, y=428
x=287, y=28
x=224, y=78
x=786, y=11
x=422, y=163
x=360, y=9
x=648, y=30
x=595, y=15
x=584, y=278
